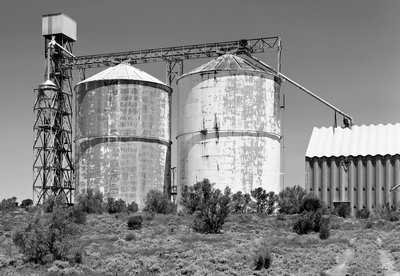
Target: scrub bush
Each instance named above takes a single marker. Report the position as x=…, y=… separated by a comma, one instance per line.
x=310, y=203
x=132, y=207
x=115, y=206
x=52, y=236
x=388, y=213
x=262, y=259
x=53, y=202
x=157, y=202
x=211, y=214
x=324, y=232
x=240, y=203
x=194, y=196
x=311, y=218
x=77, y=215
x=304, y=225
x=290, y=200
x=342, y=210
x=90, y=202
x=26, y=203
x=135, y=222
x=362, y=213
x=265, y=202
x=9, y=204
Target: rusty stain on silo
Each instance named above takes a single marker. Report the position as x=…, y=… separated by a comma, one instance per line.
x=229, y=111
x=123, y=142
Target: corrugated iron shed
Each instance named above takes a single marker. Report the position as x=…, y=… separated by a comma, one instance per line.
x=358, y=165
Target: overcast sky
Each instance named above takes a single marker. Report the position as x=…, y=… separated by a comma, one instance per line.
x=346, y=51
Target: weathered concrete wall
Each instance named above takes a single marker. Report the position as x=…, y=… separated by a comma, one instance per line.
x=229, y=130
x=123, y=138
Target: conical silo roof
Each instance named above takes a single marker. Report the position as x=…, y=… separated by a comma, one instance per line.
x=123, y=72
x=227, y=62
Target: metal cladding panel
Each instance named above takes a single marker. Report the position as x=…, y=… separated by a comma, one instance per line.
x=359, y=140
x=363, y=181
x=53, y=24
x=123, y=138
x=126, y=170
x=229, y=130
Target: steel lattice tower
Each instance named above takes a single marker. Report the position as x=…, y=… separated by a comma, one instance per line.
x=52, y=148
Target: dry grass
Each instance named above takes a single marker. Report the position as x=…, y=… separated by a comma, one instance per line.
x=167, y=246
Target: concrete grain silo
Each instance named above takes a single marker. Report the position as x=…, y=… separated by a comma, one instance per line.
x=122, y=126
x=229, y=126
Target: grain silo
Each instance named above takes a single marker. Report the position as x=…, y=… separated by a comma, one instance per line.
x=229, y=126
x=122, y=126
x=359, y=166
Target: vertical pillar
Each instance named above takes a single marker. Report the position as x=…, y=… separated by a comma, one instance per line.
x=334, y=182
x=379, y=182
x=325, y=180
x=389, y=180
x=396, y=179
x=343, y=180
x=352, y=186
x=370, y=184
x=361, y=183
x=316, y=178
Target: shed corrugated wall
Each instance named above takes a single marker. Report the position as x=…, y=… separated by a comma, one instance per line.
x=364, y=179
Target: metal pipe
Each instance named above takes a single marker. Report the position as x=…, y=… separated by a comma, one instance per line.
x=48, y=62
x=53, y=42
x=301, y=87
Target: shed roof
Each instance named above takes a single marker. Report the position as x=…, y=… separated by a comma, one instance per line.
x=122, y=71
x=357, y=141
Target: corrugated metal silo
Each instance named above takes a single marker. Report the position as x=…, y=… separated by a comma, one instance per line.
x=123, y=142
x=229, y=126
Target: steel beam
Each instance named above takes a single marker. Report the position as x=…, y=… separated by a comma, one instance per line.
x=170, y=54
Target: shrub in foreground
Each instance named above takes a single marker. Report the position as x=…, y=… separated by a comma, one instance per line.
x=265, y=202
x=115, y=206
x=157, y=202
x=388, y=213
x=240, y=202
x=9, y=204
x=262, y=259
x=53, y=202
x=290, y=200
x=91, y=202
x=324, y=232
x=310, y=203
x=304, y=224
x=48, y=235
x=312, y=216
x=342, y=210
x=194, y=196
x=135, y=222
x=212, y=214
x=362, y=213
x=132, y=207
x=26, y=203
